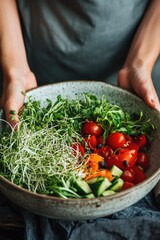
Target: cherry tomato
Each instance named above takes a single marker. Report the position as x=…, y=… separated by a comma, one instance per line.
x=127, y=158
x=132, y=145
x=128, y=175
x=91, y=128
x=140, y=140
x=111, y=160
x=78, y=149
x=91, y=141
x=104, y=151
x=101, y=140
x=127, y=185
x=142, y=160
x=139, y=175
x=116, y=140
x=128, y=138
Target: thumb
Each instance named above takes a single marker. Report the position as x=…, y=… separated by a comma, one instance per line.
x=11, y=112
x=139, y=81
x=148, y=93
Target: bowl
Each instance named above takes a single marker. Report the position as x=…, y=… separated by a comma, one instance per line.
x=82, y=209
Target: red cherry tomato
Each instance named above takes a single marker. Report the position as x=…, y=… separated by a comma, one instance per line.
x=128, y=138
x=127, y=185
x=142, y=160
x=78, y=149
x=139, y=175
x=91, y=128
x=91, y=141
x=116, y=140
x=127, y=158
x=111, y=160
x=101, y=140
x=140, y=140
x=132, y=145
x=128, y=175
x=104, y=151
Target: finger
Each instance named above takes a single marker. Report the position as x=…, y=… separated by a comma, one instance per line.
x=11, y=111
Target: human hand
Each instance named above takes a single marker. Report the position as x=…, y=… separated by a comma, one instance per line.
x=12, y=98
x=138, y=79
x=17, y=76
x=144, y=51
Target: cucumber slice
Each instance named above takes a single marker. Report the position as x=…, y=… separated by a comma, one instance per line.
x=117, y=185
x=94, y=180
x=100, y=186
x=108, y=193
x=82, y=187
x=116, y=171
x=90, y=195
x=114, y=179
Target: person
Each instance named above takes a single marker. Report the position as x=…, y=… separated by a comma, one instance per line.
x=42, y=42
x=62, y=37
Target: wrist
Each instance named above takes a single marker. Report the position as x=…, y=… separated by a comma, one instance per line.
x=13, y=57
x=23, y=77
x=145, y=47
x=141, y=59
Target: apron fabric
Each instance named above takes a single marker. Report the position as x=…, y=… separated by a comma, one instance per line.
x=78, y=39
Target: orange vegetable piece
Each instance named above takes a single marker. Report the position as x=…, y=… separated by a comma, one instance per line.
x=92, y=168
x=104, y=173
x=93, y=160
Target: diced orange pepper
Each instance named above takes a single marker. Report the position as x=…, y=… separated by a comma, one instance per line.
x=93, y=160
x=104, y=173
x=92, y=167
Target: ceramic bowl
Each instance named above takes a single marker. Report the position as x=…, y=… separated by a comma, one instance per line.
x=79, y=209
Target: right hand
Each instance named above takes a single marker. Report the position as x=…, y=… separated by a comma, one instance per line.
x=138, y=79
x=14, y=83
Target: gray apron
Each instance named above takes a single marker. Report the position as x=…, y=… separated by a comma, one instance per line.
x=80, y=39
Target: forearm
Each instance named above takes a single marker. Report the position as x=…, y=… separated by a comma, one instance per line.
x=12, y=50
x=146, y=44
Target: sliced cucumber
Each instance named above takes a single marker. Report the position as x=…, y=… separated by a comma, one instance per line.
x=91, y=181
x=82, y=187
x=115, y=178
x=90, y=195
x=108, y=193
x=94, y=180
x=117, y=185
x=100, y=186
x=116, y=171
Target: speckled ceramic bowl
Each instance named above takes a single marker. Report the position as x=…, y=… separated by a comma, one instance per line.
x=78, y=209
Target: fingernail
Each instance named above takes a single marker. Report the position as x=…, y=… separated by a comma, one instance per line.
x=155, y=105
x=15, y=125
x=153, y=102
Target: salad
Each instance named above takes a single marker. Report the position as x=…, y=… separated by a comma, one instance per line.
x=76, y=148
